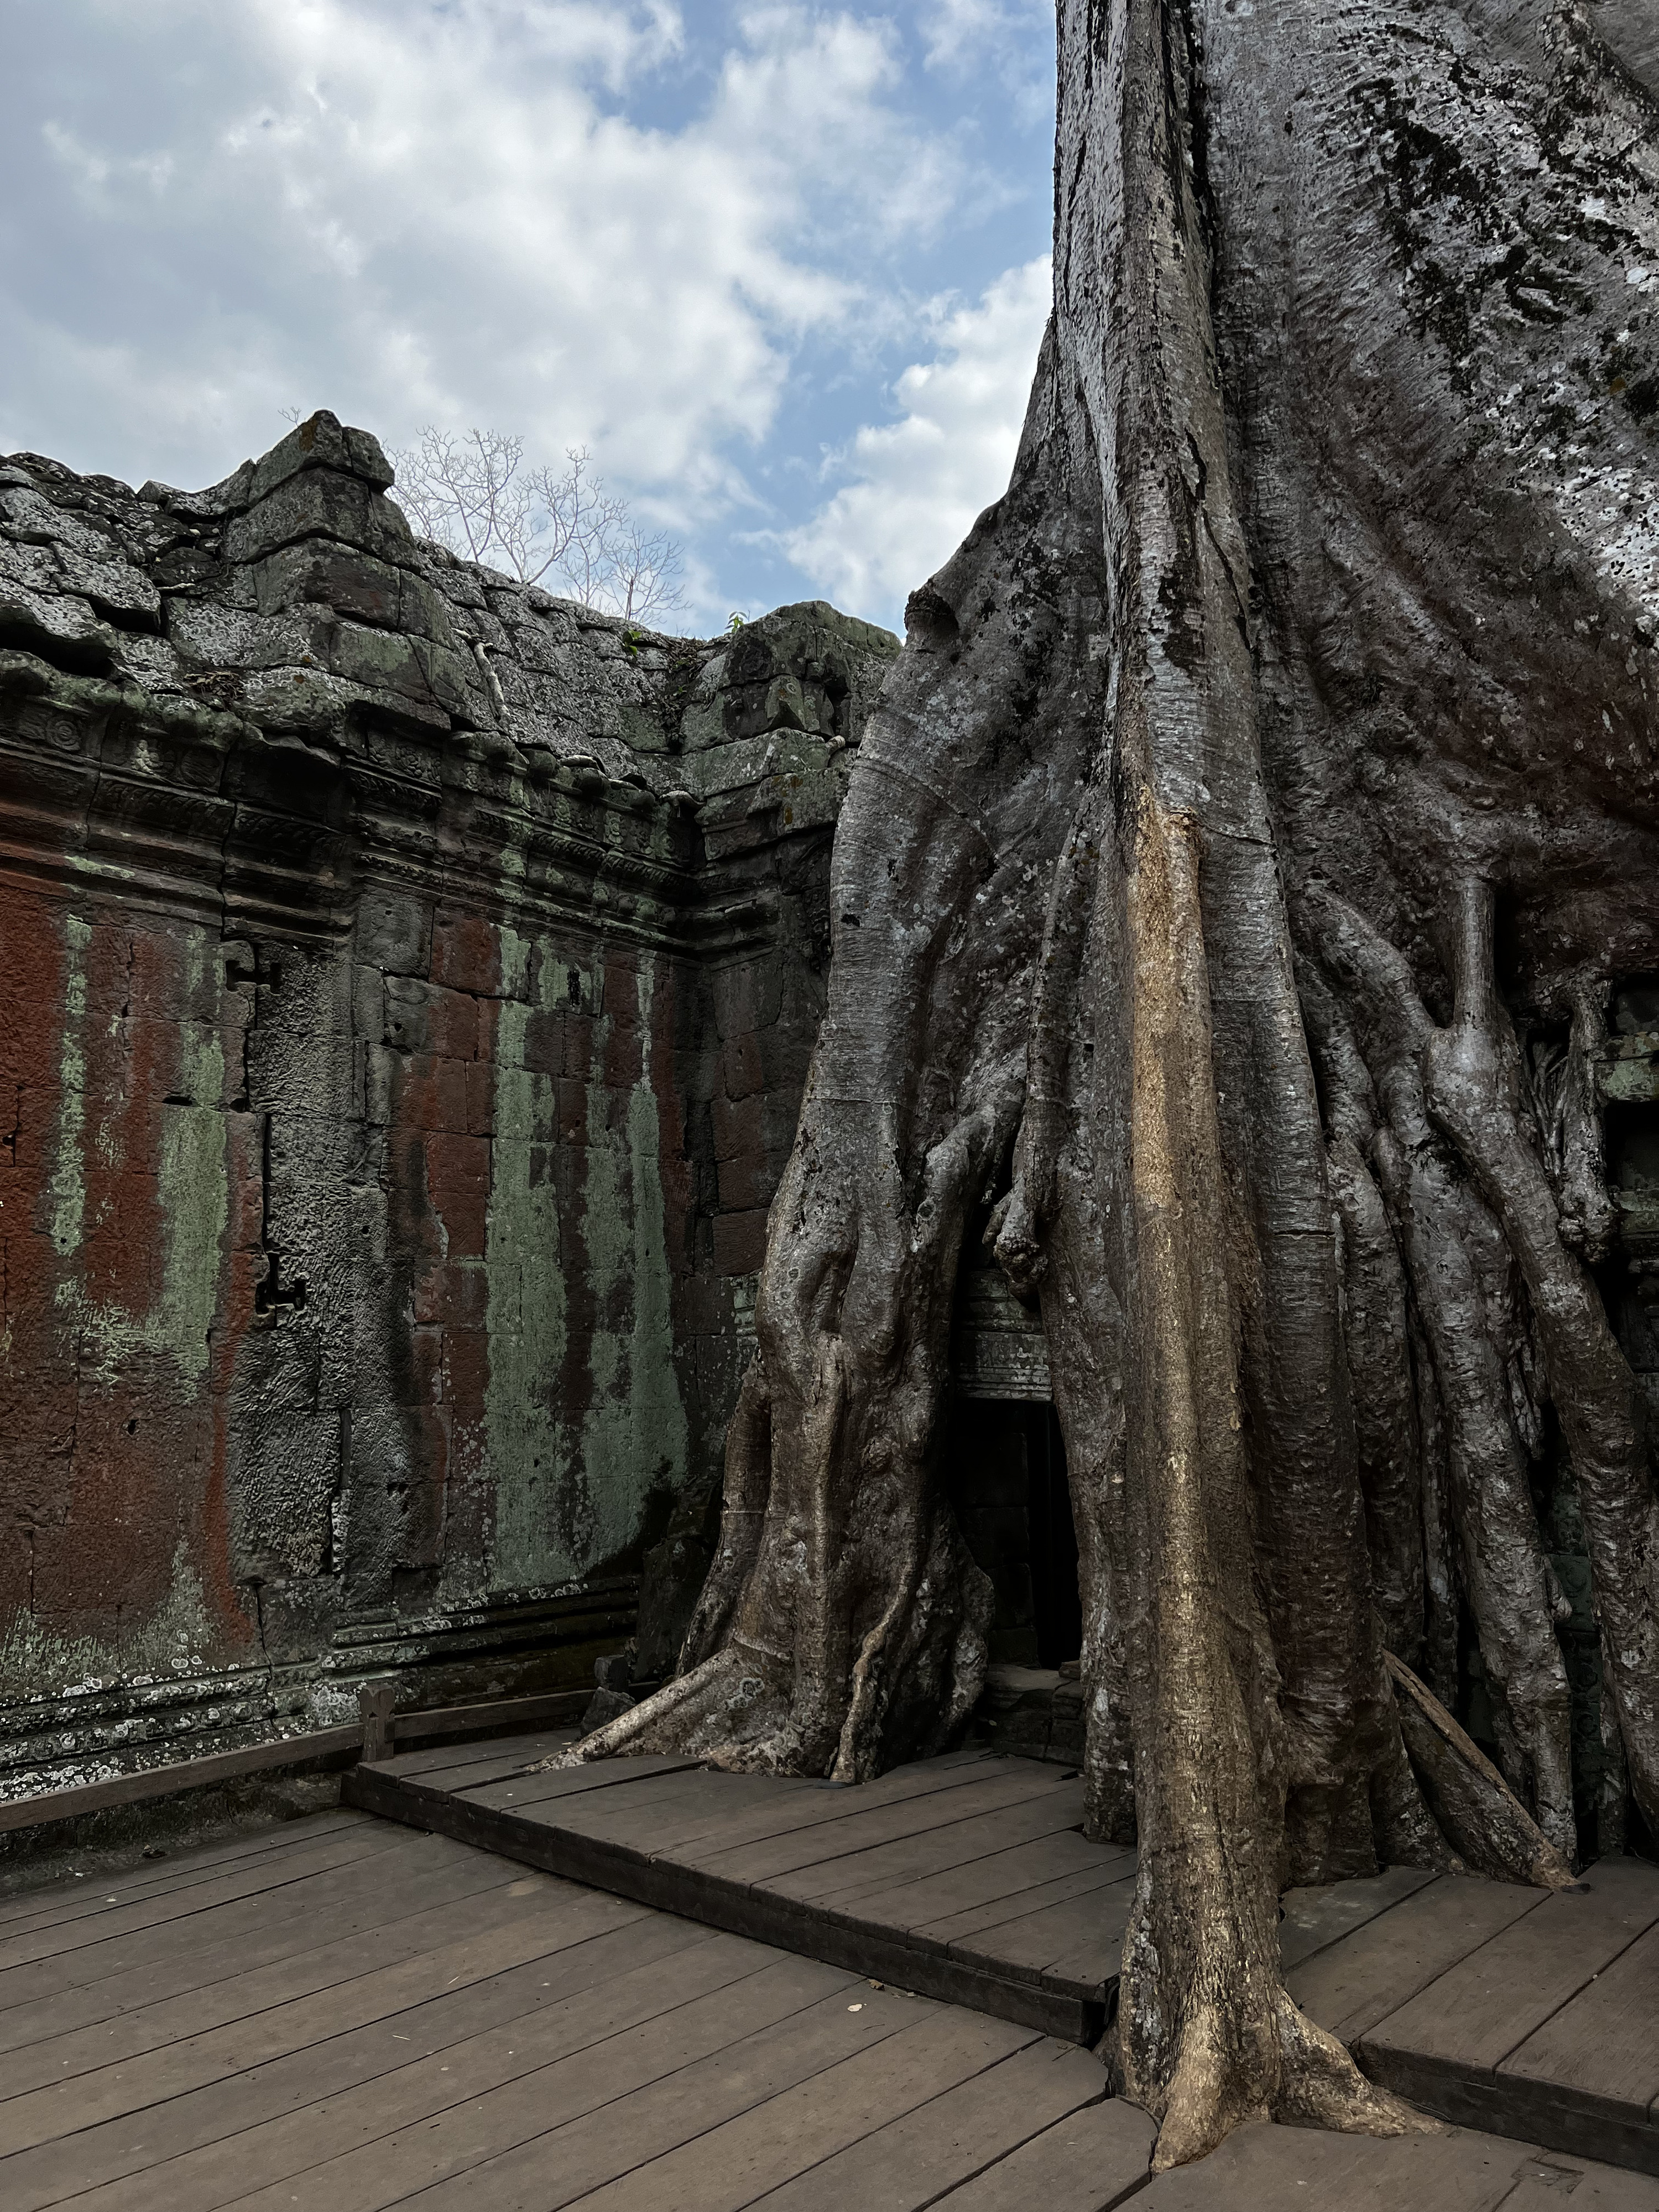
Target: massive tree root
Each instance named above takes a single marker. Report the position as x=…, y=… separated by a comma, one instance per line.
x=1232, y=887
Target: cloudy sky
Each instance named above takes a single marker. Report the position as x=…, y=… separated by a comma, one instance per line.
x=781, y=266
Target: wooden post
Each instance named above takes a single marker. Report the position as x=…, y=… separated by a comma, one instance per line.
x=374, y=1704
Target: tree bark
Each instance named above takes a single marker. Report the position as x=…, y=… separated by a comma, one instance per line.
x=1283, y=738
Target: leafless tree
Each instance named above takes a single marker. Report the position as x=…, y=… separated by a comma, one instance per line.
x=473, y=494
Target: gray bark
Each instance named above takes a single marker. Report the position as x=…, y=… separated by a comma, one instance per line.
x=1283, y=739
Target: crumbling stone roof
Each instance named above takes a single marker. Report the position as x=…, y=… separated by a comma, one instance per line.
x=294, y=600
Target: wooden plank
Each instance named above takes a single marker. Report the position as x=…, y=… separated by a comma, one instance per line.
x=1604, y=2042
x=787, y=1854
x=741, y=2160
x=499, y=1752
x=264, y=1924
x=80, y=1894
x=438, y=2132
x=815, y=1802
x=883, y=1955
x=652, y=1813
x=1481, y=2010
x=32, y=1946
x=325, y=1748
x=320, y=1746
x=531, y=1917
x=932, y=1850
x=982, y=1919
x=1350, y=1986
x=354, y=1938
x=903, y=2166
x=1076, y=1945
x=439, y=1724
x=992, y=1879
x=1443, y=2048
x=530, y=2149
x=200, y=2148
x=1311, y=1919
x=1263, y=2168
x=190, y=2061
x=1089, y=2162
x=67, y=1894
x=567, y=1782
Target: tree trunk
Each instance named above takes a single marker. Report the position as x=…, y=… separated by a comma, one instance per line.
x=1266, y=782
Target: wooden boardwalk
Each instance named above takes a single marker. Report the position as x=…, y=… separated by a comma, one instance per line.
x=345, y=2015
x=967, y=1879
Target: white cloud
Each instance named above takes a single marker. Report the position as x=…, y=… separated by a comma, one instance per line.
x=443, y=212
x=1016, y=36
x=918, y=483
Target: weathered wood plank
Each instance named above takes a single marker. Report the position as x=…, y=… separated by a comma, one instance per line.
x=1088, y=2162
x=789, y=2015
x=233, y=1937
x=1444, y=2048
x=1311, y=1920
x=37, y=1946
x=512, y=1921
x=738, y=2161
x=745, y=1908
x=66, y=1896
x=460, y=1760
x=982, y=1919
x=1077, y=1945
x=1351, y=1985
x=1273, y=2169
x=201, y=2148
x=768, y=1862
x=190, y=2060
x=1481, y=2009
x=903, y=2166
x=822, y=1800
x=1603, y=2044
x=932, y=1850
x=992, y=1879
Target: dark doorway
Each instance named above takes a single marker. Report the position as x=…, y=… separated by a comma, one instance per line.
x=1007, y=1472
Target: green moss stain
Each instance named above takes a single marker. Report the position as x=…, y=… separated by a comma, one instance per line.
x=570, y=1487
x=529, y=1449
x=633, y=1434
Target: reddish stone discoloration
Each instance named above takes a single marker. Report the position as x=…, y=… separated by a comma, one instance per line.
x=359, y=1054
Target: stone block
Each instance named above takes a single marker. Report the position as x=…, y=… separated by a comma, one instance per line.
x=321, y=503
x=466, y=953
x=742, y=1073
x=321, y=442
x=393, y=934
x=571, y=1110
x=544, y=1044
x=453, y=1296
x=739, y=1128
x=740, y=1242
x=424, y=1016
x=750, y=1179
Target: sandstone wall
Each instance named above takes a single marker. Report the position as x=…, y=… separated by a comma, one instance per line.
x=406, y=984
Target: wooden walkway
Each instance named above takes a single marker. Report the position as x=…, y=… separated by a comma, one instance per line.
x=345, y=2015
x=967, y=1879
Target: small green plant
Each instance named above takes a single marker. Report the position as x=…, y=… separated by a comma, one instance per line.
x=736, y=620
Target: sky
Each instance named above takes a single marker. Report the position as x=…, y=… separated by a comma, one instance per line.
x=781, y=268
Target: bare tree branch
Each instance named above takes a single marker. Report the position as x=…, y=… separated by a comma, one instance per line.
x=473, y=495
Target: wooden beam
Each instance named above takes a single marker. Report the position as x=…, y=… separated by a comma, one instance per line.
x=323, y=1748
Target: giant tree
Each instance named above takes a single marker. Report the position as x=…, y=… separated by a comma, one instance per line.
x=1230, y=895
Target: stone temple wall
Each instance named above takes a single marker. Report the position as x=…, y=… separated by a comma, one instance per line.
x=407, y=982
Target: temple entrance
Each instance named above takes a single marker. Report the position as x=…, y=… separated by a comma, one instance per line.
x=1007, y=1469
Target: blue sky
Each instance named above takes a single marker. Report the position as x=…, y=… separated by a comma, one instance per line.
x=781, y=267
